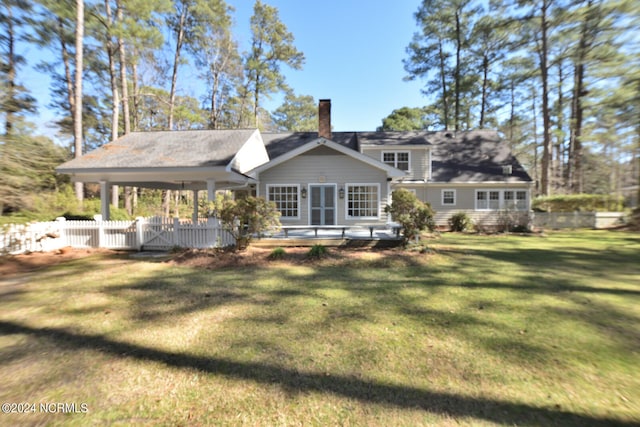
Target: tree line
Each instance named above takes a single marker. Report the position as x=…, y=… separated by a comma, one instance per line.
x=559, y=78
x=116, y=66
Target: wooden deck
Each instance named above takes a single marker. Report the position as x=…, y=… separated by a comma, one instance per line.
x=363, y=238
x=328, y=242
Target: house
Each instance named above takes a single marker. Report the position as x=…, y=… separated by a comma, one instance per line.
x=321, y=178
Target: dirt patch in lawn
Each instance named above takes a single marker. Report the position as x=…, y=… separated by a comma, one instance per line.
x=260, y=257
x=24, y=263
x=213, y=259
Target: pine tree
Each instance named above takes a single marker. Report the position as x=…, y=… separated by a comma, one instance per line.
x=296, y=114
x=271, y=46
x=15, y=99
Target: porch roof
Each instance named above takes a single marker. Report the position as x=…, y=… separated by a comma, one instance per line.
x=169, y=159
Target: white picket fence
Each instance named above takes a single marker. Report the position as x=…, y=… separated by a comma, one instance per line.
x=140, y=234
x=563, y=220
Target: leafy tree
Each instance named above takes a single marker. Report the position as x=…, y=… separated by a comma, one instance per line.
x=27, y=165
x=413, y=215
x=296, y=114
x=245, y=217
x=271, y=47
x=405, y=119
x=154, y=111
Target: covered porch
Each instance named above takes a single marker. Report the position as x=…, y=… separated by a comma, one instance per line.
x=207, y=182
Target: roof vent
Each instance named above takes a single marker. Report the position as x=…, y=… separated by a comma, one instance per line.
x=507, y=170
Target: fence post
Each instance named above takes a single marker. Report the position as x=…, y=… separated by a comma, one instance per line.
x=139, y=233
x=98, y=219
x=62, y=230
x=176, y=231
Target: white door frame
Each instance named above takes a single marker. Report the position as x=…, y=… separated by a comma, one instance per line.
x=323, y=207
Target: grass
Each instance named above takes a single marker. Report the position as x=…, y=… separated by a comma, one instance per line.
x=479, y=330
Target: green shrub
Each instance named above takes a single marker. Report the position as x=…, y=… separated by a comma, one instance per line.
x=277, y=253
x=413, y=215
x=460, y=222
x=317, y=251
x=578, y=202
x=245, y=217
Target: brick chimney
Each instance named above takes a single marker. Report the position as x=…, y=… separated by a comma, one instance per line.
x=324, y=118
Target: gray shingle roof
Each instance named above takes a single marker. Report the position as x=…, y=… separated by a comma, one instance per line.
x=192, y=148
x=393, y=138
x=278, y=144
x=474, y=156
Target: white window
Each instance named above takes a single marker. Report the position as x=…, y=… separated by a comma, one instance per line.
x=449, y=197
x=286, y=199
x=494, y=200
x=397, y=159
x=521, y=200
x=363, y=201
x=501, y=199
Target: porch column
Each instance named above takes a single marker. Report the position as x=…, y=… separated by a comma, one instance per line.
x=195, y=206
x=114, y=196
x=211, y=190
x=104, y=200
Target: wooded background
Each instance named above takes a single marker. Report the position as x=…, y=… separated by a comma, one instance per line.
x=559, y=79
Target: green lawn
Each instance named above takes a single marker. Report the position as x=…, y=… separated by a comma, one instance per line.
x=475, y=330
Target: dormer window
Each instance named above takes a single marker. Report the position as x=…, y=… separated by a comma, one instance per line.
x=397, y=159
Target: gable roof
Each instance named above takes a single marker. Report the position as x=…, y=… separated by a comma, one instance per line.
x=456, y=157
x=473, y=156
x=170, y=149
x=281, y=143
x=309, y=144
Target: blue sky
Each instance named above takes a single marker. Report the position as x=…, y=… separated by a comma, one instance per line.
x=353, y=49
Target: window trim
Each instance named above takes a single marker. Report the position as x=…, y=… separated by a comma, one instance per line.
x=502, y=202
x=395, y=158
x=455, y=197
x=347, y=187
x=298, y=198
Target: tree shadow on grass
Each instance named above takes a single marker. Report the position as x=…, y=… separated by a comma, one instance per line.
x=294, y=381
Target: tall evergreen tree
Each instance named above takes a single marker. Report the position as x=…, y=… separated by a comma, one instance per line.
x=437, y=53
x=296, y=114
x=15, y=99
x=271, y=47
x=405, y=119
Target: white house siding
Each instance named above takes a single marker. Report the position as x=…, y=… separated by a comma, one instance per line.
x=251, y=155
x=325, y=166
x=418, y=158
x=465, y=201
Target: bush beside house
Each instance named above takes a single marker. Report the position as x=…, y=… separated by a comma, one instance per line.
x=413, y=215
x=245, y=217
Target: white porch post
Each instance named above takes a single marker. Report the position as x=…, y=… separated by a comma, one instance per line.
x=114, y=196
x=195, y=206
x=104, y=200
x=211, y=190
